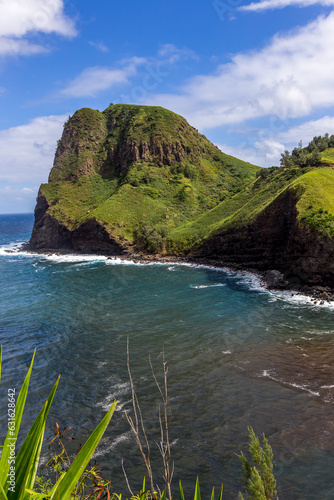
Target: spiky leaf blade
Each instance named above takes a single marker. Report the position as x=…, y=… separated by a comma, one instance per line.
x=28, y=455
x=197, y=495
x=181, y=491
x=13, y=430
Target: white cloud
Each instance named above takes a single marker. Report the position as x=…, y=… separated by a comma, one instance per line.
x=94, y=80
x=27, y=191
x=279, y=4
x=99, y=46
x=15, y=199
x=290, y=77
x=99, y=78
x=27, y=151
x=264, y=152
x=308, y=130
x=11, y=47
x=171, y=54
x=21, y=17
x=264, y=147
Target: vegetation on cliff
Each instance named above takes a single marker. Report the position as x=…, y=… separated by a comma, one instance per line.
x=140, y=178
x=140, y=171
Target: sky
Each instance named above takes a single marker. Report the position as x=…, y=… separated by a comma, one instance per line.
x=254, y=77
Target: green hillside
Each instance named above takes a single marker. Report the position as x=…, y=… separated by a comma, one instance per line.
x=141, y=172
x=140, y=179
x=313, y=187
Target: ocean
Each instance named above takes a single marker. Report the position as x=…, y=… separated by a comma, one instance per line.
x=238, y=355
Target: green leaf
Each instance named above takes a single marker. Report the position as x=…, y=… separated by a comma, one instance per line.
x=13, y=430
x=181, y=491
x=28, y=457
x=213, y=494
x=65, y=485
x=220, y=496
x=3, y=494
x=163, y=496
x=197, y=495
x=142, y=491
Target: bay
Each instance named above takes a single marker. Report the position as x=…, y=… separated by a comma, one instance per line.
x=237, y=355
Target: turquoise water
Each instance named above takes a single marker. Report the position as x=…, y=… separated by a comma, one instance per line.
x=237, y=356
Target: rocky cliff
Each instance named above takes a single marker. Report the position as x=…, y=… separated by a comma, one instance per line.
x=127, y=177
x=140, y=179
x=276, y=240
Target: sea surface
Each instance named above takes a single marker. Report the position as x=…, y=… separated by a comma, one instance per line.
x=238, y=355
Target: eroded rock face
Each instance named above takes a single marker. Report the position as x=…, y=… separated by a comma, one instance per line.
x=276, y=241
x=155, y=151
x=49, y=234
x=108, y=142
x=81, y=150
x=92, y=237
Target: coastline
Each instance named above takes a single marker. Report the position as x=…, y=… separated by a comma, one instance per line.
x=272, y=280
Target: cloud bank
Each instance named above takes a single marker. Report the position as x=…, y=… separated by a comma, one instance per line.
x=27, y=151
x=19, y=18
x=290, y=77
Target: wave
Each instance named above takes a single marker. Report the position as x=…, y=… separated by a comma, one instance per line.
x=120, y=389
x=207, y=286
x=253, y=281
x=105, y=446
x=250, y=280
x=302, y=387
x=12, y=249
x=293, y=298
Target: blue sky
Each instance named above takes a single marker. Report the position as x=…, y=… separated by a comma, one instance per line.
x=254, y=77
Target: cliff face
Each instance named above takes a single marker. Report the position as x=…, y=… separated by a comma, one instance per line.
x=109, y=142
x=90, y=237
x=128, y=177
x=276, y=240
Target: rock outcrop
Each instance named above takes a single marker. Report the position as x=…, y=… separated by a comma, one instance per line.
x=277, y=241
x=90, y=237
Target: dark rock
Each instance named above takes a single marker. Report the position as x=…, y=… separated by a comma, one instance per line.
x=90, y=237
x=275, y=240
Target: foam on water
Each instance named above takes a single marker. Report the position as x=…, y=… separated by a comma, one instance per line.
x=119, y=390
x=252, y=281
x=11, y=249
x=105, y=446
x=207, y=286
x=302, y=387
x=299, y=299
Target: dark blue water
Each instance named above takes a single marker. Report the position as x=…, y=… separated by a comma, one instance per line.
x=237, y=356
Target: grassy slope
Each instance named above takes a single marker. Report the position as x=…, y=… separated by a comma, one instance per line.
x=327, y=156
x=160, y=196
x=316, y=201
x=314, y=188
x=180, y=204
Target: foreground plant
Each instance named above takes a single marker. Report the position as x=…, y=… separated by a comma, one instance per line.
x=197, y=494
x=137, y=427
x=260, y=483
x=18, y=472
x=91, y=483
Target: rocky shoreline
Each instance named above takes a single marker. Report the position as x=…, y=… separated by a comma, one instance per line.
x=272, y=280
